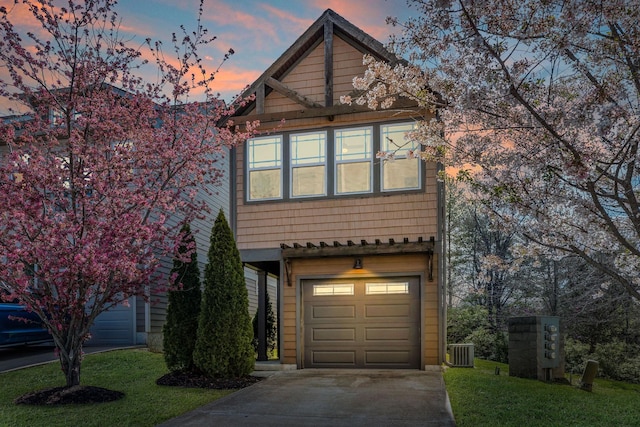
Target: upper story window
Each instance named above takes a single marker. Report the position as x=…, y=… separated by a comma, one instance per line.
x=264, y=157
x=308, y=164
x=331, y=163
x=402, y=173
x=354, y=160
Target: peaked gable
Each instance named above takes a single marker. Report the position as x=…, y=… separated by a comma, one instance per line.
x=308, y=78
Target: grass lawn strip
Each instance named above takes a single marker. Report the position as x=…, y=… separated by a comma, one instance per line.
x=481, y=398
x=133, y=372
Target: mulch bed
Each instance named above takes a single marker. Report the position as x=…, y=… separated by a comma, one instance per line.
x=89, y=394
x=194, y=380
x=67, y=395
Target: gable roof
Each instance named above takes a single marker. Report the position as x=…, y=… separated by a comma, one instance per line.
x=323, y=29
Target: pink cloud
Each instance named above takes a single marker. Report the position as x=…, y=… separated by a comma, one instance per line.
x=369, y=16
x=294, y=23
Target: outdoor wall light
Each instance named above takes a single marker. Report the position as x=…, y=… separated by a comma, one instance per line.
x=358, y=264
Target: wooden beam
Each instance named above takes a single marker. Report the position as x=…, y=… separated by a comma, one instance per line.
x=260, y=95
x=402, y=105
x=328, y=63
x=291, y=94
x=358, y=250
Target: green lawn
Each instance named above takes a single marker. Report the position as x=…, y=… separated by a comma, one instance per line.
x=478, y=397
x=481, y=398
x=133, y=372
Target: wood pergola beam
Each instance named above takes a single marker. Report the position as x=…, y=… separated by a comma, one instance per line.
x=300, y=251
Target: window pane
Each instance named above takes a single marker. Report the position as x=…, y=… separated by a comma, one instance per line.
x=393, y=139
x=308, y=181
x=401, y=174
x=386, y=288
x=265, y=167
x=308, y=164
x=353, y=177
x=354, y=160
x=333, y=289
x=353, y=144
x=308, y=148
x=264, y=184
x=265, y=152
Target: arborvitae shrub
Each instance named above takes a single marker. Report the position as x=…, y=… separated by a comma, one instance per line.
x=223, y=347
x=180, y=328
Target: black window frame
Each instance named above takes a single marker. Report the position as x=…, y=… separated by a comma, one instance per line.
x=330, y=167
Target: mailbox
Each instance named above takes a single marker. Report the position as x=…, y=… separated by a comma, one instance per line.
x=549, y=346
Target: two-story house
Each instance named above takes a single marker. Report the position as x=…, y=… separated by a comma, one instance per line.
x=354, y=240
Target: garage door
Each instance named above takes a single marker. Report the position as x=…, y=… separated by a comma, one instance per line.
x=114, y=327
x=361, y=323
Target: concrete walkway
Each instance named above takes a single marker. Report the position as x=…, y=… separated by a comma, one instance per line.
x=327, y=397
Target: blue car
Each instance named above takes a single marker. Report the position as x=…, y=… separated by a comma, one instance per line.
x=15, y=332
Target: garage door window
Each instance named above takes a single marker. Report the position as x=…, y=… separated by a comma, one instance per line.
x=386, y=288
x=329, y=289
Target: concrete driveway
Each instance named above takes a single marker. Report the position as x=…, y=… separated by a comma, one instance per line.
x=327, y=397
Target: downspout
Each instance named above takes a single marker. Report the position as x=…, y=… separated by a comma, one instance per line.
x=442, y=276
x=442, y=250
x=233, y=203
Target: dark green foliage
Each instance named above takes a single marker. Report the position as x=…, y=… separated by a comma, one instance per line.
x=469, y=324
x=463, y=320
x=180, y=328
x=270, y=327
x=617, y=360
x=223, y=348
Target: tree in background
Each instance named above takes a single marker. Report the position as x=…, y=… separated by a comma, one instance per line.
x=96, y=181
x=542, y=98
x=223, y=347
x=272, y=332
x=180, y=329
x=458, y=256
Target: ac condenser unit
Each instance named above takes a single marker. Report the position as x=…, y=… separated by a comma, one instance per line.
x=461, y=355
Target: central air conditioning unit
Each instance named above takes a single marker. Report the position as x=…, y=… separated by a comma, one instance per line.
x=461, y=355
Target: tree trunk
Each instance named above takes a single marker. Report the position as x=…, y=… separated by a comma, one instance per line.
x=70, y=360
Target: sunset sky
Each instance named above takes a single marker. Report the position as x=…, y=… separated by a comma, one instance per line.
x=258, y=31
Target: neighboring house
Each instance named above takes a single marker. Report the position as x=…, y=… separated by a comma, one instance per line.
x=354, y=241
x=140, y=322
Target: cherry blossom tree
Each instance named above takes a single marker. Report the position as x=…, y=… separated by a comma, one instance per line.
x=102, y=170
x=539, y=101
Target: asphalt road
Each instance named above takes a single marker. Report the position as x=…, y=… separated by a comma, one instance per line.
x=20, y=357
